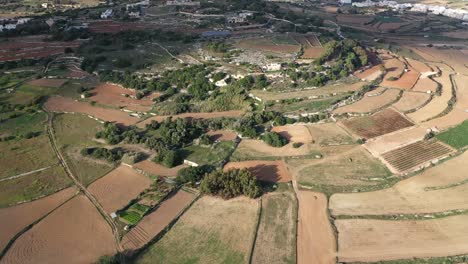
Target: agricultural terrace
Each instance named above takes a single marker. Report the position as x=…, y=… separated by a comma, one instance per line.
x=211, y=231
x=254, y=149
x=378, y=124
x=74, y=132
x=416, y=155
x=62, y=104
x=276, y=235
x=377, y=240
x=405, y=82
x=294, y=133
x=370, y=74
x=437, y=189
x=54, y=83
x=426, y=85
x=329, y=134
x=315, y=238
x=438, y=104
x=371, y=102
x=233, y=113
x=65, y=228
x=411, y=101
x=311, y=46
x=116, y=96
x=156, y=221
x=395, y=140
x=272, y=45
x=118, y=188
x=16, y=218
x=326, y=90
x=271, y=171
x=352, y=170
x=453, y=57
x=394, y=67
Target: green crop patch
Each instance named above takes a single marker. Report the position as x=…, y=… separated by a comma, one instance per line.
x=455, y=137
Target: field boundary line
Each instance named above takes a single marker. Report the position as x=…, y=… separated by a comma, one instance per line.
x=25, y=174
x=30, y=226
x=257, y=226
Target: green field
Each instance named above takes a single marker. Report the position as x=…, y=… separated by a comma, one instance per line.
x=73, y=133
x=456, y=137
x=211, y=231
x=134, y=213
x=23, y=124
x=318, y=105
x=209, y=155
x=276, y=235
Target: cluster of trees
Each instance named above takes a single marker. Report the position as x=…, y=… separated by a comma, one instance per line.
x=274, y=139
x=111, y=155
x=32, y=27
x=89, y=64
x=218, y=46
x=192, y=175
x=114, y=134
x=230, y=184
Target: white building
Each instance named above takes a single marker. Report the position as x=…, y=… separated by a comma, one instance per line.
x=345, y=2
x=272, y=67
x=182, y=3
x=107, y=14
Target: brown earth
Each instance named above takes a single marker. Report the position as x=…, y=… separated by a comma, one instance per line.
x=117, y=188
x=378, y=124
x=272, y=171
x=294, y=133
x=114, y=95
x=425, y=84
x=155, y=222
x=312, y=52
x=55, y=83
x=74, y=233
x=370, y=103
x=376, y=240
x=395, y=68
x=233, y=113
x=14, y=219
x=454, y=57
x=222, y=135
x=354, y=19
x=370, y=74
x=415, y=155
x=395, y=140
x=63, y=104
x=411, y=101
x=267, y=45
x=159, y=170
x=257, y=149
x=436, y=189
x=329, y=134
x=315, y=239
x=419, y=66
x=406, y=81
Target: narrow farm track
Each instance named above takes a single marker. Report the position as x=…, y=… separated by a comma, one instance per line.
x=109, y=220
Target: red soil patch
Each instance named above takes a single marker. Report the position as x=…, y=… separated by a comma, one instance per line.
x=222, y=135
x=370, y=74
x=117, y=188
x=110, y=26
x=54, y=83
x=294, y=133
x=114, y=95
x=406, y=81
x=63, y=104
x=312, y=52
x=395, y=68
x=157, y=169
x=391, y=26
x=233, y=113
x=378, y=124
x=155, y=222
x=419, y=66
x=74, y=233
x=315, y=239
x=271, y=171
x=354, y=19
x=32, y=47
x=14, y=219
x=411, y=101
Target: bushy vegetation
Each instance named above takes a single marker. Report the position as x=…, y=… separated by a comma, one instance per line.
x=192, y=175
x=274, y=139
x=111, y=155
x=230, y=184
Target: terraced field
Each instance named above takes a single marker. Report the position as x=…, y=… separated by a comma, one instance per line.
x=370, y=102
x=416, y=154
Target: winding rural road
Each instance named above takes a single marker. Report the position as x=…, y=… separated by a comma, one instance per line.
x=110, y=221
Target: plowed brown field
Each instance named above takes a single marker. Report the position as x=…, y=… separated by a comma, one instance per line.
x=155, y=222
x=294, y=133
x=14, y=219
x=425, y=84
x=370, y=103
x=222, y=135
x=62, y=104
x=272, y=171
x=120, y=186
x=405, y=82
x=157, y=169
x=74, y=233
x=315, y=239
x=411, y=101
x=113, y=95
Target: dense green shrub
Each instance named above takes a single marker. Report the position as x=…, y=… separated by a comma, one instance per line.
x=230, y=184
x=274, y=139
x=192, y=175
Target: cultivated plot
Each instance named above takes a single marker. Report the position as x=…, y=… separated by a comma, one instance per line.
x=371, y=102
x=271, y=171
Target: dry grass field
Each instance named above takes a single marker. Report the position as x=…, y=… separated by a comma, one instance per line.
x=211, y=231
x=438, y=189
x=329, y=134
x=306, y=93
x=378, y=124
x=155, y=222
x=276, y=235
x=416, y=155
x=346, y=171
x=395, y=140
x=118, y=188
x=425, y=84
x=271, y=171
x=54, y=83
x=62, y=104
x=14, y=219
x=376, y=240
x=411, y=101
x=370, y=102
x=395, y=68
x=65, y=229
x=294, y=133
x=254, y=149
x=267, y=45
x=155, y=169
x=315, y=239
